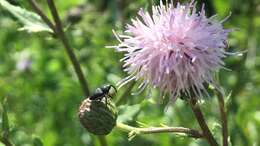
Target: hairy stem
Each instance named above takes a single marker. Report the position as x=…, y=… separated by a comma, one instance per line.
x=151, y=130
x=61, y=35
x=201, y=120
x=223, y=115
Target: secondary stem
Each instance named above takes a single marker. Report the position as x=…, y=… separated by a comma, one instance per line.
x=102, y=140
x=223, y=115
x=200, y=118
x=151, y=130
x=60, y=33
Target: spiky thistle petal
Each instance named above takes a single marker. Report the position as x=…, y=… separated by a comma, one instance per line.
x=175, y=49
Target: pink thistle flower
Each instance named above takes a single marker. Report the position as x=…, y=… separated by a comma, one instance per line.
x=176, y=49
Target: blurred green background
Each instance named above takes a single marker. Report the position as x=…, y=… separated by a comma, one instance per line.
x=43, y=93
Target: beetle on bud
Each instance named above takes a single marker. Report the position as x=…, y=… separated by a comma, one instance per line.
x=97, y=115
x=103, y=92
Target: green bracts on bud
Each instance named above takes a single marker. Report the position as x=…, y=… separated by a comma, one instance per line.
x=98, y=117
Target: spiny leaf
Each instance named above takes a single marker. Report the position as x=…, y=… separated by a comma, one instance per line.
x=31, y=21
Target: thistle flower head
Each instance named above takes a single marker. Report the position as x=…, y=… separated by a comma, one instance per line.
x=176, y=49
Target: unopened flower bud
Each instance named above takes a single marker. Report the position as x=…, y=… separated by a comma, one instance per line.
x=98, y=117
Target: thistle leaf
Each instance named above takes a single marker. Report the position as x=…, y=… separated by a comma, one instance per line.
x=32, y=22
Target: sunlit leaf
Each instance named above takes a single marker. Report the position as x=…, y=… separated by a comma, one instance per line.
x=31, y=21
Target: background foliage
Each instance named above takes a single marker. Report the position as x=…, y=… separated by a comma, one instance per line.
x=43, y=94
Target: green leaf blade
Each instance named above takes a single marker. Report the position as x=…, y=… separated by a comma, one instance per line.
x=32, y=22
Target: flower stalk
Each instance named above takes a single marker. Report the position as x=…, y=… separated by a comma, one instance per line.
x=202, y=123
x=223, y=114
x=133, y=131
x=60, y=33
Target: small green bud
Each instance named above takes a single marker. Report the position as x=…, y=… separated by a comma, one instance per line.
x=98, y=117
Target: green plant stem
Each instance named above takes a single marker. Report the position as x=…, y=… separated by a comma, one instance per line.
x=151, y=130
x=61, y=35
x=102, y=140
x=223, y=115
x=201, y=120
